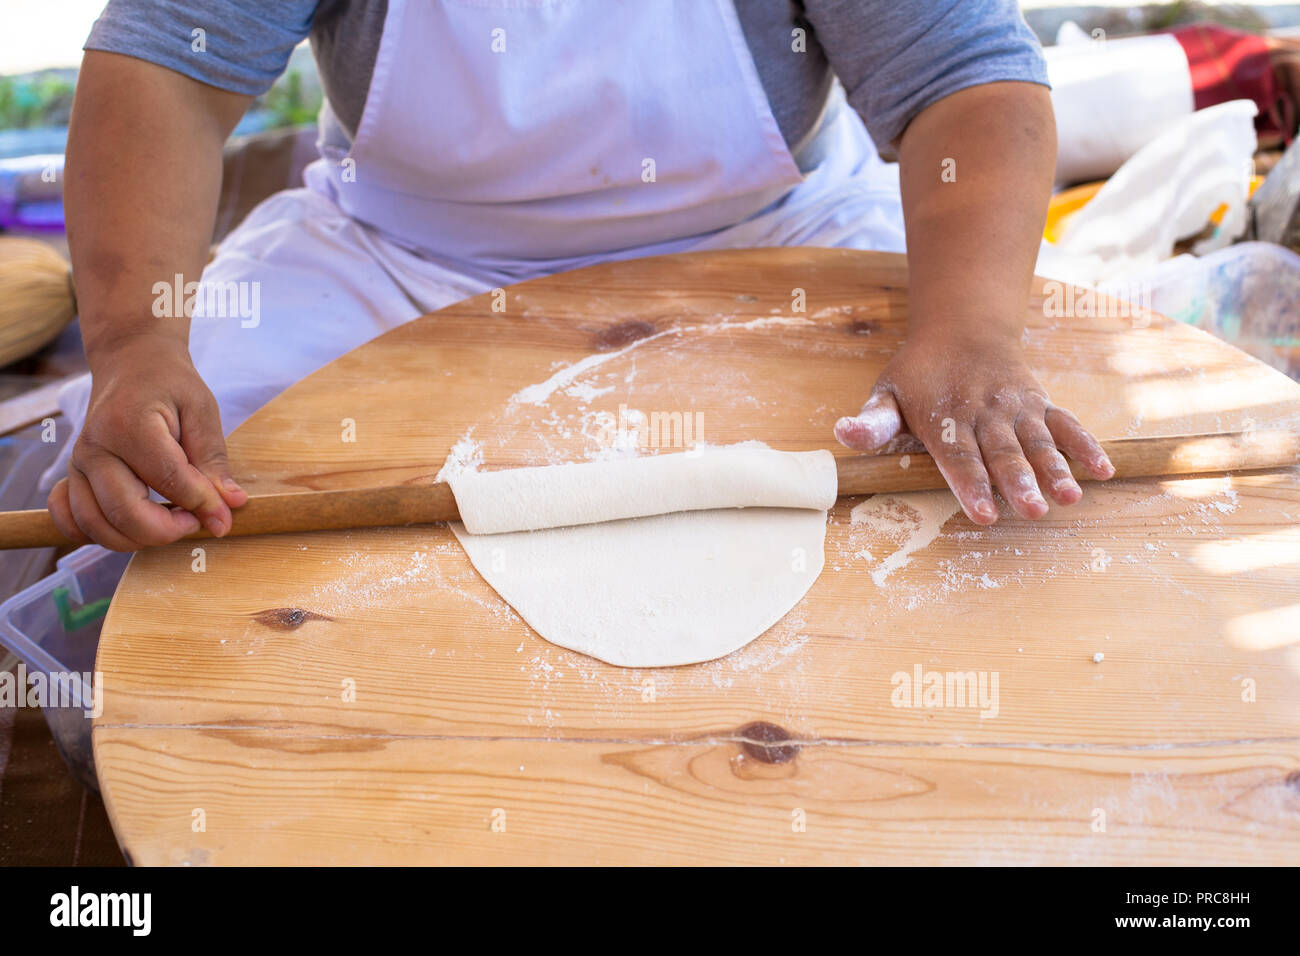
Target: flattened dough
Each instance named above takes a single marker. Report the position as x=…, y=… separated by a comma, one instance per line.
x=689, y=581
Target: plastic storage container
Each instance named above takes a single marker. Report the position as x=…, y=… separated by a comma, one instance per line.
x=1247, y=294
x=24, y=455
x=53, y=627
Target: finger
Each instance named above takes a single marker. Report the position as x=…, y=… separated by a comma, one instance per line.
x=1075, y=440
x=962, y=467
x=90, y=519
x=1048, y=463
x=61, y=513
x=202, y=440
x=123, y=500
x=878, y=422
x=164, y=467
x=1006, y=462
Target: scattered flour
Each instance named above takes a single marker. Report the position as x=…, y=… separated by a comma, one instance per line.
x=915, y=519
x=763, y=323
x=566, y=377
x=585, y=393
x=539, y=392
x=465, y=456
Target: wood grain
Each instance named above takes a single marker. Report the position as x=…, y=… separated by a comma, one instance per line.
x=1188, y=587
x=436, y=801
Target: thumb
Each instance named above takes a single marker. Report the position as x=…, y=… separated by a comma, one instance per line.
x=206, y=449
x=878, y=422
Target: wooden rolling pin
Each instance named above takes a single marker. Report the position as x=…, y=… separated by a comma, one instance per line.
x=858, y=475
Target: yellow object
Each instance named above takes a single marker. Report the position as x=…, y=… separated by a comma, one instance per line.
x=1069, y=201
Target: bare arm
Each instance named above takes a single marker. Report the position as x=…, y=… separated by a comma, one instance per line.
x=143, y=181
x=960, y=383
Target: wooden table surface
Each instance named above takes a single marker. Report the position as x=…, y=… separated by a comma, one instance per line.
x=365, y=697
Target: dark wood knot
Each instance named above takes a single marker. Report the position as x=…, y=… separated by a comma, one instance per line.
x=287, y=618
x=622, y=334
x=864, y=327
x=764, y=742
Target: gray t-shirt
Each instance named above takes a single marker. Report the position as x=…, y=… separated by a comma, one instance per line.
x=893, y=57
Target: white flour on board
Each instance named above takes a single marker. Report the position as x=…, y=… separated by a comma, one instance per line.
x=586, y=393
x=892, y=532
x=586, y=381
x=771, y=670
x=539, y=392
x=465, y=456
x=565, y=378
x=912, y=520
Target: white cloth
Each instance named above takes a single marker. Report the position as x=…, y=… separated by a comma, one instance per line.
x=470, y=175
x=1164, y=193
x=1112, y=97
x=560, y=130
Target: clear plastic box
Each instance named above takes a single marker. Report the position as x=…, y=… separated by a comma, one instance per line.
x=1247, y=294
x=53, y=627
x=24, y=455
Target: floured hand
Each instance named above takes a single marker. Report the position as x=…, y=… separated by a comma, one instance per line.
x=982, y=414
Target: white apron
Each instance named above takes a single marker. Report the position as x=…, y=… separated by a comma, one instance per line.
x=505, y=139
x=511, y=134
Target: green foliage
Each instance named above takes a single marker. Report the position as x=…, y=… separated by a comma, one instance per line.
x=30, y=101
x=45, y=99
x=290, y=102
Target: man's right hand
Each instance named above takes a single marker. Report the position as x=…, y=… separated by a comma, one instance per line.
x=140, y=190
x=152, y=424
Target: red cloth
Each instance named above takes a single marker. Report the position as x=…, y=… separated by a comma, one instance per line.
x=1227, y=65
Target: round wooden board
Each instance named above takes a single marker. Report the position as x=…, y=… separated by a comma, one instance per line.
x=365, y=697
